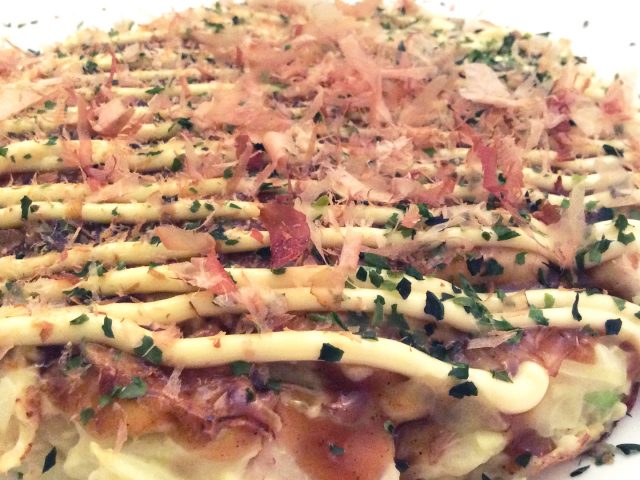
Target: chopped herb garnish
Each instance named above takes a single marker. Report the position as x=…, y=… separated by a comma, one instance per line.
x=611, y=150
x=155, y=240
x=492, y=268
x=523, y=459
x=331, y=317
x=25, y=204
x=464, y=389
x=49, y=104
x=520, y=258
x=537, y=316
x=86, y=414
x=404, y=288
x=52, y=140
x=581, y=470
x=217, y=27
x=154, y=90
x=434, y=306
x=378, y=312
x=148, y=350
x=329, y=353
x=549, y=300
x=621, y=222
x=136, y=389
x=50, y=460
x=474, y=265
x=460, y=371
x=361, y=274
x=626, y=238
x=502, y=375
x=504, y=233
x=336, y=450
x=574, y=308
x=107, y=324
x=629, y=448
x=185, y=123
x=195, y=206
x=613, y=326
x=412, y=272
x=80, y=319
x=177, y=164
x=90, y=67
x=621, y=303
x=240, y=368
x=79, y=294
x=373, y=260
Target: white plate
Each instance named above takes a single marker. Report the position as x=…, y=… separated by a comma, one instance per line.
x=608, y=39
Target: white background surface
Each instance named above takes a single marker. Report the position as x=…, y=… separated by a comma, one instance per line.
x=609, y=41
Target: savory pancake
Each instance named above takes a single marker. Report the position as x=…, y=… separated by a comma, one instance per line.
x=313, y=241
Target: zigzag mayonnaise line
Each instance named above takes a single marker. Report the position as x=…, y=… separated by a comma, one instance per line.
x=136, y=253
x=139, y=252
x=30, y=155
x=130, y=213
x=596, y=309
x=523, y=393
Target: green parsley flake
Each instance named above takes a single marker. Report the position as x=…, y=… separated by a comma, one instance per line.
x=464, y=389
x=504, y=233
x=523, y=459
x=107, y=324
x=86, y=414
x=329, y=353
x=549, y=300
x=574, y=308
x=613, y=326
x=336, y=450
x=195, y=206
x=148, y=351
x=25, y=204
x=154, y=90
x=378, y=313
x=50, y=460
x=501, y=375
x=579, y=471
x=412, y=272
x=373, y=260
x=460, y=371
x=537, y=316
x=434, y=306
x=79, y=320
x=240, y=368
x=404, y=288
x=628, y=448
x=177, y=164
x=136, y=389
x=611, y=150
